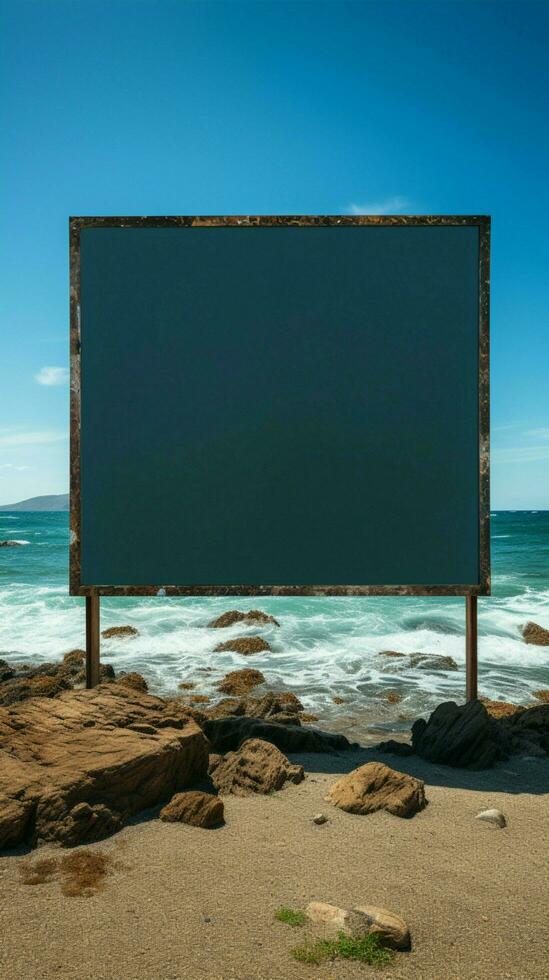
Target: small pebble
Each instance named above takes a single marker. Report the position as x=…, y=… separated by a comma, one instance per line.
x=320, y=818
x=492, y=816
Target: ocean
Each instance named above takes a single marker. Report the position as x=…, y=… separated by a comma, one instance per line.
x=324, y=648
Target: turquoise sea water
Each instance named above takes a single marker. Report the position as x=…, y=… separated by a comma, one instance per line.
x=324, y=647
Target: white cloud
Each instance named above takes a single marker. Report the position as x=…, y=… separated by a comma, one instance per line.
x=542, y=433
x=391, y=205
x=30, y=438
x=11, y=466
x=520, y=454
x=52, y=376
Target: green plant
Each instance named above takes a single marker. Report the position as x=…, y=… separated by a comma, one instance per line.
x=367, y=949
x=292, y=917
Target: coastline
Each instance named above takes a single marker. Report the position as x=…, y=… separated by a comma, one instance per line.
x=323, y=648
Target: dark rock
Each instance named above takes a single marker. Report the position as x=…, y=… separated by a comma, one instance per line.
x=6, y=671
x=528, y=728
x=459, y=735
x=226, y=734
x=395, y=748
x=10, y=544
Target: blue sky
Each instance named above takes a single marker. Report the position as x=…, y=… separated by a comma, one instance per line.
x=135, y=107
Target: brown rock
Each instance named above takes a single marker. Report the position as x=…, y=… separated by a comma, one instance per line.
x=499, y=709
x=428, y=661
x=390, y=653
x=533, y=633
x=226, y=708
x=392, y=930
x=199, y=699
x=189, y=711
x=84, y=748
x=274, y=707
x=256, y=767
x=214, y=760
x=15, y=817
x=23, y=681
x=235, y=616
x=289, y=699
x=541, y=695
x=393, y=697
x=74, y=658
x=186, y=686
x=306, y=717
x=338, y=700
x=41, y=686
x=106, y=674
x=330, y=920
x=132, y=679
x=247, y=645
x=85, y=822
x=241, y=681
x=119, y=631
x=282, y=708
x=375, y=786
x=196, y=808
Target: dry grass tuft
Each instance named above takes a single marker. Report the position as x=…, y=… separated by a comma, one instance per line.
x=82, y=872
x=38, y=872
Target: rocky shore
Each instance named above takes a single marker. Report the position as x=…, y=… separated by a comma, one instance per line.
x=78, y=768
x=77, y=765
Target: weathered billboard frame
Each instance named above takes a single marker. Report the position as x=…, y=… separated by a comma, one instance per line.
x=480, y=588
x=470, y=591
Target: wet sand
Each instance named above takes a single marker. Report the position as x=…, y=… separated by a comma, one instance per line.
x=190, y=904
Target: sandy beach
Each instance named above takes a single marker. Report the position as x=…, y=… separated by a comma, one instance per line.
x=183, y=903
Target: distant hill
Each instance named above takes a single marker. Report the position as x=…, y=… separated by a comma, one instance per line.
x=54, y=501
